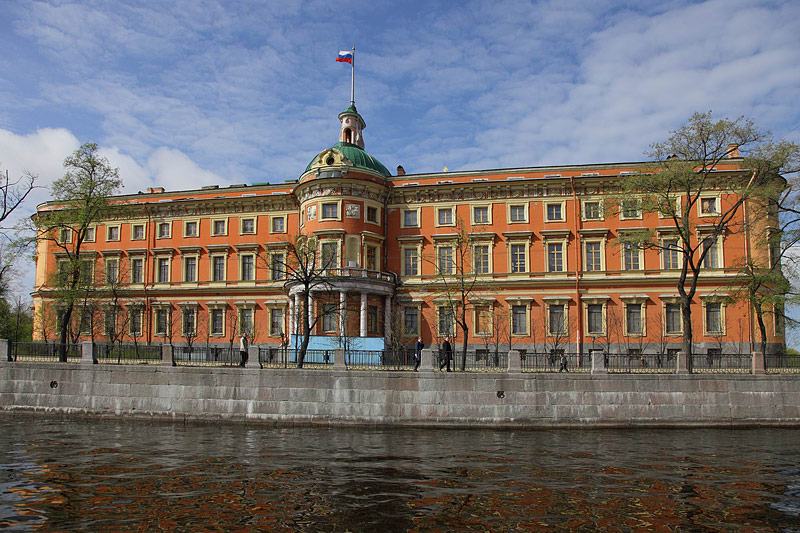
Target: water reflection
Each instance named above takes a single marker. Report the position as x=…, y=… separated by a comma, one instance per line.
x=61, y=474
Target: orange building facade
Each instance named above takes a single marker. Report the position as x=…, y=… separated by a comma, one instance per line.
x=537, y=248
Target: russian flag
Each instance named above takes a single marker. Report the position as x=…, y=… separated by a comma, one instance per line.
x=345, y=56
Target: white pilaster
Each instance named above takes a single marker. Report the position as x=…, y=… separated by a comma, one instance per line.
x=363, y=314
x=291, y=315
x=310, y=310
x=342, y=313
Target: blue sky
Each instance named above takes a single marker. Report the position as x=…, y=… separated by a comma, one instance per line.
x=182, y=94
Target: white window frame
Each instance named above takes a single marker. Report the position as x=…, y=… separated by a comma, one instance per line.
x=600, y=211
x=564, y=258
x=717, y=205
x=211, y=309
x=241, y=266
x=337, y=244
x=634, y=250
x=109, y=261
x=321, y=210
x=602, y=251
x=603, y=325
x=272, y=310
x=472, y=212
x=273, y=219
x=622, y=209
x=527, y=321
x=490, y=310
x=157, y=260
x=193, y=310
x=131, y=259
x=214, y=222
x=417, y=321
x=135, y=225
x=417, y=217
x=678, y=207
x=416, y=248
x=118, y=229
x=525, y=206
x=367, y=207
x=722, y=312
x=440, y=211
x=135, y=310
x=211, y=257
x=186, y=224
x=184, y=260
x=489, y=259
x=642, y=318
x=666, y=250
x=664, y=305
x=164, y=224
x=715, y=255
x=272, y=257
x=242, y=221
x=562, y=211
x=452, y=329
x=566, y=332
x=440, y=248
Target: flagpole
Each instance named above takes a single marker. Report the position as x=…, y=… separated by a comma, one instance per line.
x=353, y=78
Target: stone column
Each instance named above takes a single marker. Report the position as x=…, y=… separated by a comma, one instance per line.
x=87, y=353
x=298, y=313
x=759, y=365
x=291, y=315
x=310, y=310
x=514, y=361
x=427, y=360
x=5, y=353
x=343, y=313
x=387, y=321
x=338, y=359
x=252, y=357
x=682, y=363
x=598, y=362
x=166, y=355
x=363, y=332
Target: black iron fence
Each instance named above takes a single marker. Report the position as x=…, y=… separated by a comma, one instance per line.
x=43, y=351
x=281, y=357
x=206, y=355
x=126, y=353
x=555, y=362
x=722, y=363
x=476, y=361
x=783, y=363
x=636, y=363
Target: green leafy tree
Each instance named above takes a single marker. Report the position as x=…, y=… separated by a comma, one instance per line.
x=80, y=200
x=688, y=165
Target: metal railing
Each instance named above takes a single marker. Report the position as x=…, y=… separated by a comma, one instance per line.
x=43, y=351
x=126, y=353
x=379, y=359
x=287, y=358
x=782, y=364
x=476, y=361
x=633, y=363
x=551, y=362
x=353, y=272
x=202, y=355
x=722, y=363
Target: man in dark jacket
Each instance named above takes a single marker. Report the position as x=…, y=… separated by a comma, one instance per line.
x=447, y=355
x=418, y=353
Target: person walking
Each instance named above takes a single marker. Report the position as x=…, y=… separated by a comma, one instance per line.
x=563, y=367
x=243, y=345
x=418, y=353
x=447, y=351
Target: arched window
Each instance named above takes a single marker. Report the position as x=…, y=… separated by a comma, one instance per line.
x=348, y=135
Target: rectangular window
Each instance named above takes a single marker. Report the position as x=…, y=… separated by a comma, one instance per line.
x=372, y=214
x=189, y=325
x=372, y=319
x=410, y=262
x=246, y=321
x=276, y=322
x=554, y=213
x=330, y=254
x=136, y=321
x=86, y=272
x=633, y=319
x=519, y=320
x=410, y=321
x=480, y=259
x=219, y=227
x=163, y=269
x=372, y=255
x=248, y=267
x=112, y=271
x=516, y=213
x=329, y=316
x=164, y=230
x=518, y=259
x=90, y=235
x=109, y=323
x=278, y=267
x=555, y=257
x=278, y=225
x=248, y=226
x=161, y=322
x=594, y=319
x=217, y=321
x=137, y=232
x=480, y=215
x=593, y=263
x=591, y=210
x=190, y=269
x=711, y=260
x=65, y=235
x=631, y=253
x=112, y=233
x=137, y=270
x=445, y=215
x=410, y=219
x=673, y=319
x=190, y=229
x=670, y=254
x=446, y=321
x=714, y=318
x=556, y=317
x=444, y=260
x=631, y=209
x=708, y=206
x=483, y=320
x=330, y=210
x=218, y=268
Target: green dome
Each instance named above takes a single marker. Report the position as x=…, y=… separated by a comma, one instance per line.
x=358, y=157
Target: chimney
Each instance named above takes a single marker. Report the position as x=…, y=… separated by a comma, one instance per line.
x=733, y=151
x=154, y=190
x=400, y=170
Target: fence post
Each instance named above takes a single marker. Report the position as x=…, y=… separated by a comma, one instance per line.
x=598, y=361
x=252, y=357
x=682, y=363
x=338, y=359
x=514, y=361
x=758, y=363
x=166, y=355
x=427, y=361
x=87, y=353
x=5, y=353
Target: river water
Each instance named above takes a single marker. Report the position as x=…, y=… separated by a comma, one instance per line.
x=60, y=474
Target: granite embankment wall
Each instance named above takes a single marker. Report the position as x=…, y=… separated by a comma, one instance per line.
x=341, y=397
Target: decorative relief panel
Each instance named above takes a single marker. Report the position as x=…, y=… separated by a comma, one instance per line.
x=352, y=211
